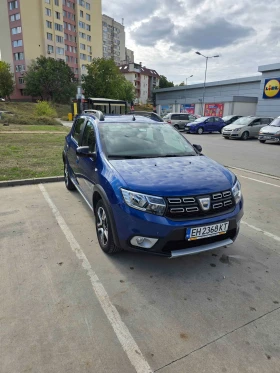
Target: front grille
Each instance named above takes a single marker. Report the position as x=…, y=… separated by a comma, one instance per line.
x=179, y=208
x=184, y=244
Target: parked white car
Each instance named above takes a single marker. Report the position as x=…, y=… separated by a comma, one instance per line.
x=271, y=132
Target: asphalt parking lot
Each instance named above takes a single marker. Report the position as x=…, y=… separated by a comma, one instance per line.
x=67, y=307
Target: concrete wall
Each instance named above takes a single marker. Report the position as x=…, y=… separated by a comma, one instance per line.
x=244, y=108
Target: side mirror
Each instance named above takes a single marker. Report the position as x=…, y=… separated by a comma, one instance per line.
x=198, y=148
x=83, y=151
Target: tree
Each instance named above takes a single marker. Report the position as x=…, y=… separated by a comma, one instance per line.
x=164, y=83
x=6, y=80
x=181, y=84
x=50, y=79
x=104, y=79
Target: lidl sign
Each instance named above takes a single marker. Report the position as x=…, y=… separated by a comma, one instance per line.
x=271, y=88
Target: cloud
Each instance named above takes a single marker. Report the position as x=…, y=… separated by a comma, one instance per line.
x=210, y=34
x=153, y=30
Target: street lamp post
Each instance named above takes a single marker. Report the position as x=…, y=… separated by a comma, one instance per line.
x=188, y=78
x=206, y=58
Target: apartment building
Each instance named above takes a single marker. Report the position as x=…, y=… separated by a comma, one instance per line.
x=144, y=80
x=129, y=56
x=113, y=39
x=70, y=30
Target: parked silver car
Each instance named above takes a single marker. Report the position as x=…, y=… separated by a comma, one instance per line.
x=271, y=132
x=178, y=120
x=246, y=127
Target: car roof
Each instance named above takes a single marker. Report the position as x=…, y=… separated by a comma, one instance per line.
x=129, y=118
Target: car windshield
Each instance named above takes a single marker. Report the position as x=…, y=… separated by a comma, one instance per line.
x=143, y=140
x=228, y=117
x=243, y=121
x=275, y=122
x=201, y=119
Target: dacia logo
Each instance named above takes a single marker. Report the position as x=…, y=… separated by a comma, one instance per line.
x=205, y=203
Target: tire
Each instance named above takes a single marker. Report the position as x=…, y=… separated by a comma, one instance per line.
x=200, y=131
x=262, y=141
x=68, y=182
x=104, y=229
x=227, y=138
x=176, y=127
x=245, y=135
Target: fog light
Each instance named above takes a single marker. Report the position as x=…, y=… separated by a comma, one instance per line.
x=145, y=242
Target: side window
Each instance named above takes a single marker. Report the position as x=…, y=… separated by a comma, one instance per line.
x=216, y=119
x=77, y=129
x=176, y=117
x=184, y=117
x=89, y=137
x=256, y=122
x=265, y=121
x=211, y=120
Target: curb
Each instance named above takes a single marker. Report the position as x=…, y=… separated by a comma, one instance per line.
x=39, y=180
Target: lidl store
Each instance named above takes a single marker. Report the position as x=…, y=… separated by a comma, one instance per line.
x=257, y=95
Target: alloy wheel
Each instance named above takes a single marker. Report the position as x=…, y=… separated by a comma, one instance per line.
x=102, y=226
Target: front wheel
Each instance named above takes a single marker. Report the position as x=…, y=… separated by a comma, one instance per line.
x=200, y=130
x=68, y=182
x=176, y=126
x=245, y=135
x=262, y=141
x=104, y=229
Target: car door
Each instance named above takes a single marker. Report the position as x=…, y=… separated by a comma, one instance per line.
x=217, y=124
x=74, y=143
x=255, y=127
x=87, y=166
x=209, y=124
x=184, y=118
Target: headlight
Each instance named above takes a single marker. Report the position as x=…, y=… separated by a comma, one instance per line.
x=152, y=204
x=236, y=129
x=277, y=133
x=236, y=191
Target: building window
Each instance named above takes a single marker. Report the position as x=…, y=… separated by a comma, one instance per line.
x=20, y=68
x=57, y=15
x=76, y=71
x=58, y=27
x=88, y=28
x=15, y=17
x=59, y=39
x=49, y=24
x=82, y=24
x=89, y=49
x=48, y=12
x=50, y=49
x=82, y=35
x=82, y=2
x=49, y=36
x=47, y=1
x=89, y=58
x=88, y=38
x=83, y=56
x=59, y=50
x=81, y=14
x=17, y=43
x=66, y=37
x=19, y=56
x=13, y=5
x=66, y=59
x=56, y=2
x=87, y=6
x=83, y=46
x=16, y=30
x=21, y=80
x=88, y=17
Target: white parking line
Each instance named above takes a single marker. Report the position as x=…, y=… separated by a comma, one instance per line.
x=259, y=181
x=126, y=340
x=254, y=172
x=276, y=238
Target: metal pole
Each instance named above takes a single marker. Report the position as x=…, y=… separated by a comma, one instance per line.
x=204, y=86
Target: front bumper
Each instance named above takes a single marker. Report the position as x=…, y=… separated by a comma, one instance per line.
x=171, y=234
x=190, y=129
x=269, y=137
x=232, y=135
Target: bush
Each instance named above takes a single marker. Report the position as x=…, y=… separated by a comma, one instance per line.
x=44, y=109
x=65, y=118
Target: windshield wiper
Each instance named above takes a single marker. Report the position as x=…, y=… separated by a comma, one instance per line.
x=112, y=156
x=176, y=155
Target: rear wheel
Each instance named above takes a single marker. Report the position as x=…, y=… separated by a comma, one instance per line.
x=68, y=182
x=245, y=135
x=104, y=229
x=176, y=126
x=262, y=141
x=200, y=130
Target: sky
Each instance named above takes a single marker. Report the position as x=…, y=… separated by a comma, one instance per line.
x=165, y=34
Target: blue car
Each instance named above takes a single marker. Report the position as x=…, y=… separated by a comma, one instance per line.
x=205, y=124
x=150, y=190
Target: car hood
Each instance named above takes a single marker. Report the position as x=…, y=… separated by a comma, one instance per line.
x=193, y=123
x=233, y=126
x=174, y=176
x=270, y=129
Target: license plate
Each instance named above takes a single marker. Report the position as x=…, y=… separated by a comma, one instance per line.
x=266, y=137
x=206, y=231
